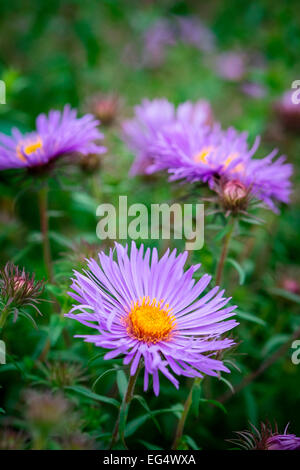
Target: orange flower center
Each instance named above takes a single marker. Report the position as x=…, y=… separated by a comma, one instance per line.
x=150, y=321
x=26, y=148
x=201, y=157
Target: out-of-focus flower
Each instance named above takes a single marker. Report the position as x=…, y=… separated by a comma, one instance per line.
x=56, y=135
x=46, y=411
x=90, y=163
x=192, y=31
x=11, y=439
x=18, y=289
x=254, y=90
x=151, y=117
x=78, y=441
x=288, y=279
x=202, y=154
x=231, y=65
x=291, y=285
x=147, y=308
x=168, y=32
x=156, y=39
x=83, y=249
x=288, y=111
x=105, y=108
x=266, y=439
x=62, y=374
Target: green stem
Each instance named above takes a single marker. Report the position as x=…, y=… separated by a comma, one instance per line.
x=3, y=317
x=123, y=411
x=263, y=366
x=39, y=441
x=224, y=252
x=43, y=208
x=182, y=420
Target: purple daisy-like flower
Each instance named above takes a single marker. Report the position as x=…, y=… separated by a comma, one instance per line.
x=148, y=308
x=192, y=31
x=57, y=134
x=156, y=40
x=266, y=439
x=199, y=153
x=283, y=442
x=153, y=116
x=231, y=65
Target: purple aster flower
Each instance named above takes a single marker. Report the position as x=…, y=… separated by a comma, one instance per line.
x=156, y=39
x=57, y=134
x=266, y=439
x=202, y=154
x=254, y=90
x=284, y=442
x=231, y=65
x=192, y=31
x=151, y=117
x=143, y=307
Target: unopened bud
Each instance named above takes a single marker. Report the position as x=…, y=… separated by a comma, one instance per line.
x=105, y=108
x=46, y=411
x=234, y=195
x=291, y=285
x=90, y=163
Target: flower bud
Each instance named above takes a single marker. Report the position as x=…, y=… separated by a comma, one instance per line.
x=78, y=441
x=266, y=438
x=45, y=411
x=18, y=289
x=234, y=195
x=291, y=285
x=90, y=163
x=105, y=108
x=11, y=439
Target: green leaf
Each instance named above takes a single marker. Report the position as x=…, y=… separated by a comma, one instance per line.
x=215, y=403
x=136, y=423
x=150, y=446
x=2, y=410
x=251, y=405
x=133, y=425
x=250, y=317
x=191, y=443
x=144, y=404
x=109, y=371
x=122, y=382
x=93, y=396
x=84, y=202
x=196, y=395
x=56, y=327
x=221, y=234
x=21, y=253
x=285, y=294
x=239, y=269
x=229, y=385
x=274, y=342
x=60, y=239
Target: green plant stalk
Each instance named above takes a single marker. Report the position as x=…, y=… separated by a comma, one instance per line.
x=39, y=440
x=264, y=366
x=43, y=208
x=123, y=411
x=3, y=317
x=224, y=252
x=188, y=402
x=186, y=409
